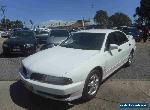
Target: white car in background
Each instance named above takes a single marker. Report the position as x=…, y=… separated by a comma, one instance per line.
x=56, y=37
x=2, y=33
x=78, y=65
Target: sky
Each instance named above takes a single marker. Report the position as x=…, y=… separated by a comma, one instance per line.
x=43, y=10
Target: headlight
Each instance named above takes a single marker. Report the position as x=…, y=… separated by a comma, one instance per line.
x=58, y=80
x=51, y=79
x=5, y=45
x=28, y=45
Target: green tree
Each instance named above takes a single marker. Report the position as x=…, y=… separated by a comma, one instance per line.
x=18, y=24
x=5, y=23
x=119, y=19
x=143, y=12
x=101, y=18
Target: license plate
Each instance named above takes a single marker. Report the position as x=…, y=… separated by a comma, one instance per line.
x=16, y=49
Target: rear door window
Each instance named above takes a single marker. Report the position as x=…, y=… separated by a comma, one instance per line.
x=121, y=38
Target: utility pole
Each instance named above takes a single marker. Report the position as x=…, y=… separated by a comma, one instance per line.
x=92, y=6
x=83, y=22
x=3, y=9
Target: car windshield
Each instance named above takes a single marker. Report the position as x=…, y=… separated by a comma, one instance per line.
x=59, y=33
x=85, y=41
x=22, y=34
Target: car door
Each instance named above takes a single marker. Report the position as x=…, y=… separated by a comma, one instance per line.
x=124, y=47
x=110, y=55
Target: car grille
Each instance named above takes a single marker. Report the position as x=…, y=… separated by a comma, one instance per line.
x=17, y=46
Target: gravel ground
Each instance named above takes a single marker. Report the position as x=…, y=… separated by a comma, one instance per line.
x=111, y=93
x=139, y=70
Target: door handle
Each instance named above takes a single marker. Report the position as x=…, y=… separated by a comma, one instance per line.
x=119, y=50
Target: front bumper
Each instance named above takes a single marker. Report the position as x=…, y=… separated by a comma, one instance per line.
x=57, y=92
x=19, y=49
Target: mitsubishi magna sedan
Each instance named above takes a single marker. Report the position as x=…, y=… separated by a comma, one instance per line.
x=75, y=68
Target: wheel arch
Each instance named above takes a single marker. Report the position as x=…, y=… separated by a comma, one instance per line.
x=100, y=69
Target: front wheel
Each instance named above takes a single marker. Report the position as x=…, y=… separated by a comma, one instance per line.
x=92, y=84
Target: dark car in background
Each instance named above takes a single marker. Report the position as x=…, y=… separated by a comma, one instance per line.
x=134, y=32
x=21, y=41
x=6, y=34
x=42, y=36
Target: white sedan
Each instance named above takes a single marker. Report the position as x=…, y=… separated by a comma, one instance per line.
x=78, y=65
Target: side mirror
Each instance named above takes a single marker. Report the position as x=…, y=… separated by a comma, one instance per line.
x=113, y=46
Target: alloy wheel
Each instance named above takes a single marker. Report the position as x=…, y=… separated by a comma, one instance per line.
x=93, y=84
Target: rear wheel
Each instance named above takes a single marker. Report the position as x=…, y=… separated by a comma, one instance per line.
x=92, y=84
x=130, y=59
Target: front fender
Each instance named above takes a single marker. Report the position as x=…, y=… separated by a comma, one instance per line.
x=81, y=72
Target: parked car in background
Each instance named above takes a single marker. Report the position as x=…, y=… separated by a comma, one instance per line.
x=77, y=66
x=20, y=41
x=134, y=32
x=71, y=31
x=121, y=28
x=1, y=33
x=5, y=34
x=42, y=36
x=57, y=36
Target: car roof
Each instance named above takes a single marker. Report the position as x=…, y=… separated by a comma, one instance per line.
x=23, y=31
x=97, y=31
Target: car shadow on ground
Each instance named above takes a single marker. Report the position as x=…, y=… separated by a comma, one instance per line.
x=22, y=97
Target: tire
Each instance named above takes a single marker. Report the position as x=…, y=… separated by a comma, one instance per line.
x=130, y=59
x=92, y=84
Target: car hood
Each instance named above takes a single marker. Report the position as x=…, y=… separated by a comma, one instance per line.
x=57, y=61
x=56, y=40
x=42, y=35
x=19, y=41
